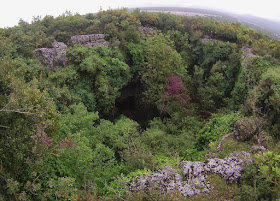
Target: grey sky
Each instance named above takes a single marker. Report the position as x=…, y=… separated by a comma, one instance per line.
x=12, y=10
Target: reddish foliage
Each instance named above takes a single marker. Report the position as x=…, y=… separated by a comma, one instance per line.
x=175, y=85
x=46, y=141
x=67, y=142
x=41, y=137
x=176, y=91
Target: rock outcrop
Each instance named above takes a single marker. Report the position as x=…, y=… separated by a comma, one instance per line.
x=52, y=57
x=194, y=179
x=89, y=40
x=258, y=149
x=146, y=31
x=246, y=128
x=56, y=56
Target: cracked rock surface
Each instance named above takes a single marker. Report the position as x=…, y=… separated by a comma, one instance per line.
x=89, y=40
x=194, y=175
x=56, y=56
x=52, y=57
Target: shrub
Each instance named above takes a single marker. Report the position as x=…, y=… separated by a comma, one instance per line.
x=217, y=126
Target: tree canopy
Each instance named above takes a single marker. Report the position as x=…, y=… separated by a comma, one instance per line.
x=167, y=88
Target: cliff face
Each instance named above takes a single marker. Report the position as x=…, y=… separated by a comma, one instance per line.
x=52, y=57
x=89, y=40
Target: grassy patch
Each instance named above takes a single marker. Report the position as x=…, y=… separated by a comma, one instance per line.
x=231, y=146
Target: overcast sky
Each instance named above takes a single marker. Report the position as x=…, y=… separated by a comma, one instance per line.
x=13, y=10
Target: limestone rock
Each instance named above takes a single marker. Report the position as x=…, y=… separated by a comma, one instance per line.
x=246, y=128
x=210, y=155
x=194, y=179
x=52, y=57
x=258, y=149
x=145, y=31
x=89, y=40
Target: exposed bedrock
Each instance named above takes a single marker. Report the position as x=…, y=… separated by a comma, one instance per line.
x=56, y=56
x=89, y=40
x=52, y=57
x=193, y=177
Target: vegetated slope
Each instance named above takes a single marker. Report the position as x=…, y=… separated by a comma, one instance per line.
x=90, y=117
x=269, y=27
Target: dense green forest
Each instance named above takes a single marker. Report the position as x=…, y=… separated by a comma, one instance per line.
x=167, y=89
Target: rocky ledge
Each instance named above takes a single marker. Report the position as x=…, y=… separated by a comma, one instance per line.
x=56, y=56
x=52, y=57
x=89, y=40
x=194, y=175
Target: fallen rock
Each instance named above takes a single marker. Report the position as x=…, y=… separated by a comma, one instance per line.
x=89, y=40
x=52, y=57
x=194, y=179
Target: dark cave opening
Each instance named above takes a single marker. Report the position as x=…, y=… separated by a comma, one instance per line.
x=130, y=104
x=127, y=107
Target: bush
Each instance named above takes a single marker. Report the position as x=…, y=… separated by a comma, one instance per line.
x=253, y=186
x=217, y=126
x=261, y=181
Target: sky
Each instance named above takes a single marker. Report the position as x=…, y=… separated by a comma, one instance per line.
x=13, y=10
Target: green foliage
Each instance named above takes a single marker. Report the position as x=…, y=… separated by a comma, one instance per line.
x=82, y=91
x=213, y=52
x=153, y=61
x=218, y=126
x=168, y=138
x=168, y=21
x=22, y=108
x=119, y=26
x=220, y=67
x=163, y=161
x=260, y=181
x=254, y=186
x=231, y=146
x=269, y=167
x=106, y=70
x=120, y=137
x=76, y=161
x=105, y=168
x=78, y=120
x=264, y=100
x=240, y=90
x=63, y=187
x=119, y=186
x=83, y=132
x=213, y=91
x=193, y=154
